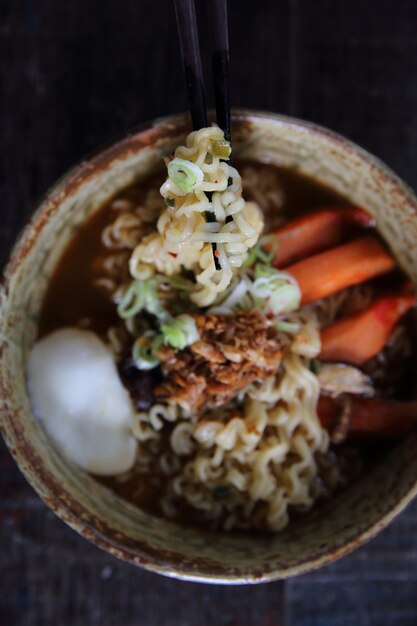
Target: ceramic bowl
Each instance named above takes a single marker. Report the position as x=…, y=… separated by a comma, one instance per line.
x=333, y=530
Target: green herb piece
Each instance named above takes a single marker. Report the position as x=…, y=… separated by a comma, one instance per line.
x=251, y=258
x=284, y=298
x=132, y=301
x=221, y=149
x=270, y=243
x=180, y=332
x=180, y=283
x=145, y=348
x=280, y=290
x=287, y=327
x=265, y=271
x=264, y=251
x=246, y=303
x=186, y=175
x=139, y=296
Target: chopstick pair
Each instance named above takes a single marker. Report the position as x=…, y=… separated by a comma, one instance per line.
x=191, y=57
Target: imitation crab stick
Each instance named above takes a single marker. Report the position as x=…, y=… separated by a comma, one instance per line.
x=359, y=337
x=376, y=416
x=328, y=272
x=317, y=231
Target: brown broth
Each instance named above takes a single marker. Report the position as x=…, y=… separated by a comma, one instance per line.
x=72, y=299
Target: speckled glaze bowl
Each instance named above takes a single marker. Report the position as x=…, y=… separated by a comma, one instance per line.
x=345, y=522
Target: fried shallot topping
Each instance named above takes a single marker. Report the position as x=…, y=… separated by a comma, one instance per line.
x=233, y=351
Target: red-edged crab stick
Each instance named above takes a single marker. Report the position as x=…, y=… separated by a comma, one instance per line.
x=359, y=337
x=350, y=264
x=376, y=417
x=317, y=231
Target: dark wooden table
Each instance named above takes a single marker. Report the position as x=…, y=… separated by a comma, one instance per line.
x=73, y=75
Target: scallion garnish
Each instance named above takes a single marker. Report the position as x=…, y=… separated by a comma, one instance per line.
x=185, y=174
x=284, y=298
x=278, y=289
x=180, y=283
x=221, y=149
x=132, y=301
x=144, y=352
x=264, y=251
x=180, y=332
x=139, y=296
x=265, y=271
x=269, y=243
x=287, y=327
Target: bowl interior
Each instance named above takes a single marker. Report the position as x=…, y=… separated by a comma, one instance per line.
x=328, y=532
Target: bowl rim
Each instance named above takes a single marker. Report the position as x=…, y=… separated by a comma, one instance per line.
x=62, y=503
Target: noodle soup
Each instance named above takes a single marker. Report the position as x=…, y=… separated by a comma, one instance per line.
x=248, y=399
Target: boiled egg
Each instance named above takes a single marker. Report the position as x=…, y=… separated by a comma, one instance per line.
x=76, y=393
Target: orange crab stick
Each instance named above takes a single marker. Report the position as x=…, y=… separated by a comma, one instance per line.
x=323, y=274
x=358, y=338
x=317, y=231
x=378, y=417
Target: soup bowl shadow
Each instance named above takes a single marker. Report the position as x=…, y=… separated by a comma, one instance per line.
x=320, y=537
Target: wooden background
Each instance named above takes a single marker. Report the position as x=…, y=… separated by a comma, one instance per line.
x=74, y=74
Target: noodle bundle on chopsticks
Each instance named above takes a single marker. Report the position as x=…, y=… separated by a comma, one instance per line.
x=201, y=185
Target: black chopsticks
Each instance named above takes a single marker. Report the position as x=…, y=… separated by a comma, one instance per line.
x=220, y=62
x=191, y=58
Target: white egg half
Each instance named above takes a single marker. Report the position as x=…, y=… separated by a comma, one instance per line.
x=77, y=394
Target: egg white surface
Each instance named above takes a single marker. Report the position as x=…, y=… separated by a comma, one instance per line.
x=77, y=395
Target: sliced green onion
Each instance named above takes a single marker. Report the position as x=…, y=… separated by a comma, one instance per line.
x=180, y=283
x=132, y=301
x=186, y=175
x=248, y=302
x=265, y=271
x=259, y=253
x=152, y=302
x=141, y=295
x=236, y=298
x=221, y=149
x=279, y=290
x=264, y=287
x=144, y=352
x=284, y=298
x=271, y=242
x=264, y=256
x=287, y=327
x=180, y=332
x=251, y=258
